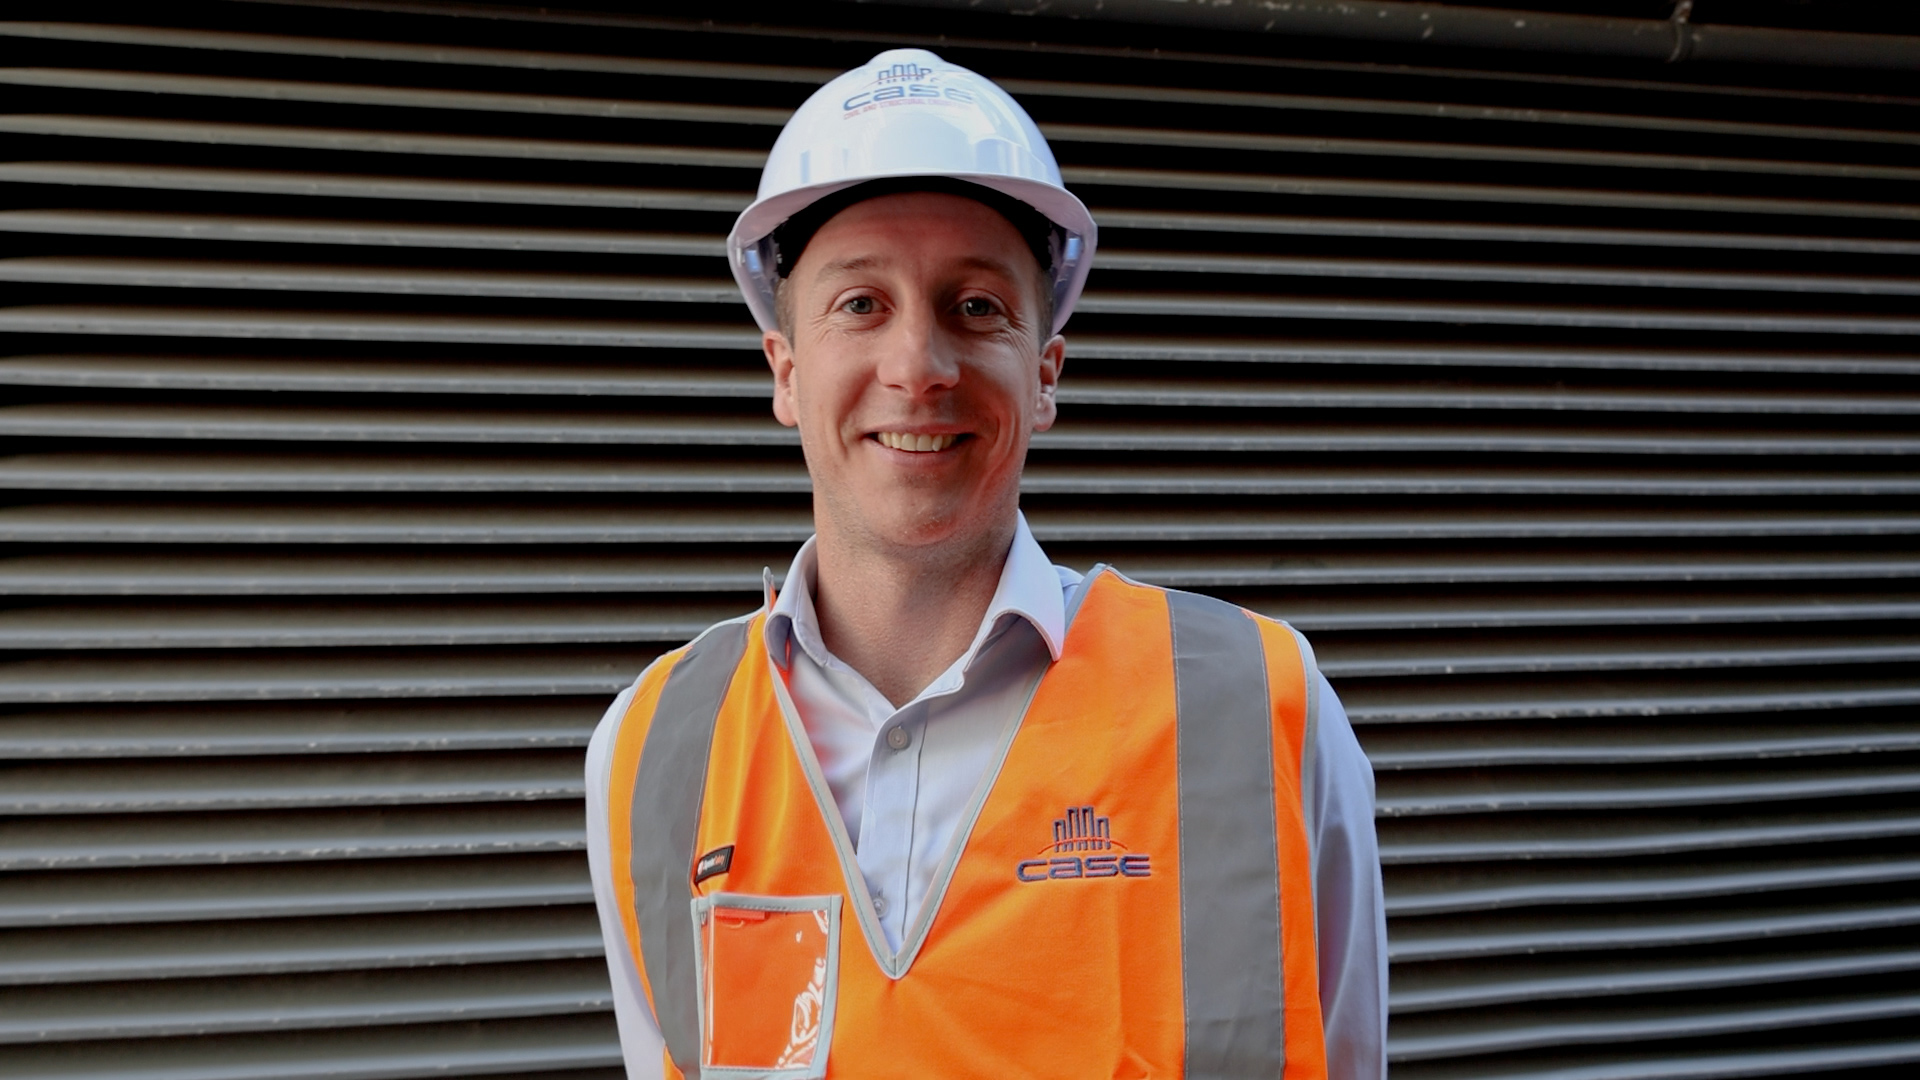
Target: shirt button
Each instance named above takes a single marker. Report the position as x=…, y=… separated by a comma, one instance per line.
x=880, y=904
x=898, y=738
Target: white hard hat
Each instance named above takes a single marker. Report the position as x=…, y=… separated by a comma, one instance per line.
x=908, y=113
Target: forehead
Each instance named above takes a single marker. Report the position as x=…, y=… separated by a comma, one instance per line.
x=920, y=227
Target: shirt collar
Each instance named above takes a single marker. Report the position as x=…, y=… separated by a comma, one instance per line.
x=1029, y=589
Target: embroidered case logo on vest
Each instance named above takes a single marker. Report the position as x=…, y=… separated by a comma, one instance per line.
x=1083, y=829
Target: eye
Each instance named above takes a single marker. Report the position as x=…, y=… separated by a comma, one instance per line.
x=859, y=305
x=976, y=306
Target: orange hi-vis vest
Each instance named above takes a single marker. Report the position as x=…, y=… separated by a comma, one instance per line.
x=1128, y=896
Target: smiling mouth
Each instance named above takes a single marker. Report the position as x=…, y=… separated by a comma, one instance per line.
x=915, y=444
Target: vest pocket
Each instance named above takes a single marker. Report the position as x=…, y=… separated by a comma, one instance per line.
x=769, y=977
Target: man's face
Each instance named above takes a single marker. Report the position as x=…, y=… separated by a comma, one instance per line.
x=916, y=371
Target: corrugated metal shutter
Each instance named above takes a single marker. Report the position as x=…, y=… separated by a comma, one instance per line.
x=376, y=404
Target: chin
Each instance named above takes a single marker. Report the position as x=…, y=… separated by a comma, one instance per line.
x=905, y=524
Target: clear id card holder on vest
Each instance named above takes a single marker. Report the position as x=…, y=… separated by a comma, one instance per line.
x=769, y=976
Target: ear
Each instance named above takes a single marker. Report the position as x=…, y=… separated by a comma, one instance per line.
x=1053, y=358
x=780, y=358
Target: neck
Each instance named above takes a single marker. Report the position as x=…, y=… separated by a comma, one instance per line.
x=900, y=618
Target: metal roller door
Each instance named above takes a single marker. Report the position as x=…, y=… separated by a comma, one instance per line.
x=376, y=403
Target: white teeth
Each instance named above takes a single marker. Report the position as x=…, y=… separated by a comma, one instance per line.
x=919, y=444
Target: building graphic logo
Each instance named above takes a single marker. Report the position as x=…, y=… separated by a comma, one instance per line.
x=1082, y=829
x=904, y=73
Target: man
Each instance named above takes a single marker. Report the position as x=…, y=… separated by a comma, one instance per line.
x=942, y=808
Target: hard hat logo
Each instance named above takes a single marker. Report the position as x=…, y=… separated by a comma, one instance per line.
x=897, y=94
x=907, y=114
x=904, y=73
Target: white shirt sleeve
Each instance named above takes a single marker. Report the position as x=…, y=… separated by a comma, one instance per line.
x=1348, y=900
x=640, y=1041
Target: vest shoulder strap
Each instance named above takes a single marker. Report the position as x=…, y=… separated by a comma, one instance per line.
x=669, y=786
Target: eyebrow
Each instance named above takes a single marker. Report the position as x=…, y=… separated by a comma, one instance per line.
x=996, y=266
x=848, y=266
x=869, y=262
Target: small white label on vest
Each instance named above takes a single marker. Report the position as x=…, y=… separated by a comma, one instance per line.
x=717, y=861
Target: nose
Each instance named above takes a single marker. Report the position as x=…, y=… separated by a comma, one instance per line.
x=916, y=358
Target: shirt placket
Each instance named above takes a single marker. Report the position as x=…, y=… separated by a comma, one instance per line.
x=885, y=846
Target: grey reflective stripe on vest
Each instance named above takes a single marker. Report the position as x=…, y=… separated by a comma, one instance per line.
x=1229, y=854
x=667, y=792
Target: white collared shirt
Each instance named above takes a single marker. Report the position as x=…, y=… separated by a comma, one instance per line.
x=903, y=797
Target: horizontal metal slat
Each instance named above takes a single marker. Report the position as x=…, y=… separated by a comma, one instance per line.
x=366, y=141
x=521, y=1046
x=1418, y=841
x=1194, y=221
x=326, y=622
x=167, y=176
x=44, y=956
x=403, y=97
x=146, y=839
x=1656, y=971
x=381, y=674
x=1492, y=982
x=1435, y=150
x=520, y=724
x=120, y=787
x=348, y=472
x=1429, y=891
x=749, y=380
x=502, y=237
x=1692, y=694
x=1445, y=110
x=1337, y=267
x=1425, y=1037
x=188, y=894
x=357, y=233
x=595, y=670
x=301, y=325
x=161, y=321
x=507, y=329
x=1246, y=350
x=192, y=421
x=364, y=574
x=394, y=572
x=259, y=472
x=262, y=522
x=585, y=427
x=1484, y=314
x=1079, y=176
x=348, y=623
x=1567, y=743
x=1541, y=789
x=382, y=280
x=1304, y=565
x=409, y=52
x=1464, y=608
x=1543, y=932
x=330, y=1001
x=1584, y=649
x=1808, y=1056
x=92, y=955
x=496, y=523
x=201, y=423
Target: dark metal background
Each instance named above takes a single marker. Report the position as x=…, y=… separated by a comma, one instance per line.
x=377, y=403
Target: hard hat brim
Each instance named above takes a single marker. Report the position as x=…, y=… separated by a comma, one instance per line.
x=1056, y=204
